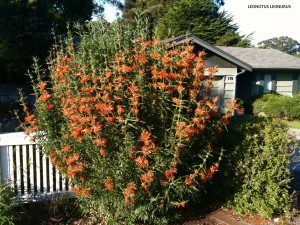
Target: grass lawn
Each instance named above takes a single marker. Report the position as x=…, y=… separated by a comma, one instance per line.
x=293, y=124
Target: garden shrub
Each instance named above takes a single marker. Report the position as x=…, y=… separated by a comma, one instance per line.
x=254, y=173
x=7, y=213
x=129, y=120
x=258, y=102
x=275, y=106
x=293, y=107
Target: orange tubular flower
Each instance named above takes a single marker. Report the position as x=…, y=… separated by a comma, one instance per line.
x=169, y=173
x=147, y=177
x=145, y=136
x=177, y=101
x=109, y=184
x=45, y=96
x=146, y=150
x=180, y=204
x=100, y=142
x=189, y=180
x=66, y=149
x=49, y=107
x=80, y=191
x=85, y=78
x=42, y=86
x=129, y=193
x=142, y=162
x=102, y=152
x=72, y=158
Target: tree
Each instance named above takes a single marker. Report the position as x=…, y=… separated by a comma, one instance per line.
x=154, y=9
x=203, y=19
x=26, y=30
x=283, y=43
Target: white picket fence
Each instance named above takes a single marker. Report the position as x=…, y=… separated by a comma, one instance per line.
x=27, y=169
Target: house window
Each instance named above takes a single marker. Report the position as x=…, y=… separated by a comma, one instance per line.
x=267, y=83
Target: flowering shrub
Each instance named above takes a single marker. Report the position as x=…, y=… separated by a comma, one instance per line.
x=129, y=120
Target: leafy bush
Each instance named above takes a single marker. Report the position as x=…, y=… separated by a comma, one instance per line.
x=258, y=102
x=7, y=214
x=293, y=107
x=275, y=106
x=255, y=170
x=129, y=120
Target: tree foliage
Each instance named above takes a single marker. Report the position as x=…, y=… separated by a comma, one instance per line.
x=26, y=30
x=283, y=43
x=153, y=9
x=202, y=18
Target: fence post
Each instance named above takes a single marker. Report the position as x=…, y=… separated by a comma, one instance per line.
x=4, y=173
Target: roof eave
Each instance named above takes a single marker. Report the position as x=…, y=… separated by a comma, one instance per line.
x=270, y=68
x=219, y=52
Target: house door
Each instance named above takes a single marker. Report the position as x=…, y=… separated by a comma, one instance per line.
x=218, y=89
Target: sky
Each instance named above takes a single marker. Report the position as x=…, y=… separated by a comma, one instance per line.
x=265, y=22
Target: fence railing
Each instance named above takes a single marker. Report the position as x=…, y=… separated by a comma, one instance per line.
x=28, y=170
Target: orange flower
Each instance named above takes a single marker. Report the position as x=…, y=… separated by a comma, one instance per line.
x=145, y=136
x=109, y=184
x=209, y=173
x=189, y=180
x=45, y=96
x=169, y=173
x=100, y=142
x=129, y=193
x=66, y=149
x=141, y=161
x=154, y=55
x=80, y=191
x=97, y=128
x=147, y=177
x=180, y=204
x=72, y=158
x=73, y=170
x=164, y=182
x=180, y=88
x=146, y=150
x=49, y=107
x=177, y=101
x=120, y=109
x=166, y=61
x=29, y=118
x=42, y=86
x=102, y=152
x=225, y=119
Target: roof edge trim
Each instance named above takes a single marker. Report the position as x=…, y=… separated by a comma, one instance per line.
x=181, y=39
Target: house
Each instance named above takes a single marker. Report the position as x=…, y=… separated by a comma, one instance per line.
x=246, y=72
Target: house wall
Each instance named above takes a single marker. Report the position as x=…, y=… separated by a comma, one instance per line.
x=214, y=60
x=282, y=82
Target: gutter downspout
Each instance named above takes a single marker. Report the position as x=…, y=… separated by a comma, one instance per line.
x=234, y=87
x=235, y=81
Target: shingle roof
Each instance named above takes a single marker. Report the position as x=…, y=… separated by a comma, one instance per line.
x=181, y=39
x=263, y=58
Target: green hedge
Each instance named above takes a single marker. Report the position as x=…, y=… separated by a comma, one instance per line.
x=276, y=106
x=254, y=174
